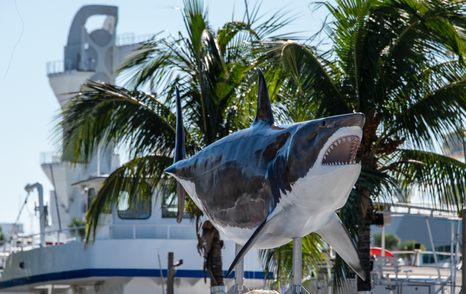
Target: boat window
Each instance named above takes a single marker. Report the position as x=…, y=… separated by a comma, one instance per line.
x=169, y=205
x=134, y=209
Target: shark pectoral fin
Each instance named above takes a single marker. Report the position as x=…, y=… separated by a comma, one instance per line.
x=336, y=236
x=257, y=233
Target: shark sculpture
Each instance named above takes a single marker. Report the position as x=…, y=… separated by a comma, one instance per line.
x=265, y=185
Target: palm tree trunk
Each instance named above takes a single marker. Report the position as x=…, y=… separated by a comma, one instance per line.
x=210, y=247
x=364, y=242
x=215, y=261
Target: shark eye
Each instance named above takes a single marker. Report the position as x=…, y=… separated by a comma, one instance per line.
x=326, y=125
x=271, y=150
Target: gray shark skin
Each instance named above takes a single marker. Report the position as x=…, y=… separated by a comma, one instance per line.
x=264, y=185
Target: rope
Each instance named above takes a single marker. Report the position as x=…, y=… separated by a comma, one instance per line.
x=20, y=211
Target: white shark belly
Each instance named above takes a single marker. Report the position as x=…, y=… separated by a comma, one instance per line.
x=309, y=205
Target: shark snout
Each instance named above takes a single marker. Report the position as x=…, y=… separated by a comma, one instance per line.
x=176, y=170
x=171, y=170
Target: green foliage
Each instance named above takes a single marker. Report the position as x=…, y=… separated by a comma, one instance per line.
x=279, y=260
x=2, y=237
x=391, y=241
x=401, y=63
x=436, y=175
x=409, y=245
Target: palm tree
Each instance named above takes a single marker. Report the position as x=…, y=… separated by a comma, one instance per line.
x=401, y=63
x=214, y=72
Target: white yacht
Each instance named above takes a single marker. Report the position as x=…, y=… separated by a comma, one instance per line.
x=132, y=244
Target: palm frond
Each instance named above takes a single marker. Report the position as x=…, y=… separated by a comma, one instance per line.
x=424, y=34
x=437, y=112
x=270, y=27
x=195, y=20
x=441, y=179
x=231, y=30
x=153, y=64
x=350, y=33
x=313, y=78
x=104, y=113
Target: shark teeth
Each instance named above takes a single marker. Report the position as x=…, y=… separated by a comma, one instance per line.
x=342, y=151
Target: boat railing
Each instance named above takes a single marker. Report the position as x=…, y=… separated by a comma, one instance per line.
x=131, y=39
x=115, y=231
x=22, y=242
x=55, y=66
x=418, y=209
x=152, y=231
x=414, y=258
x=412, y=266
x=60, y=66
x=50, y=157
x=401, y=272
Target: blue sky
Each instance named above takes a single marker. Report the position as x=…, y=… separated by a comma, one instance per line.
x=35, y=32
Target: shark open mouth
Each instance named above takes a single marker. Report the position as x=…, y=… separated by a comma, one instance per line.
x=342, y=151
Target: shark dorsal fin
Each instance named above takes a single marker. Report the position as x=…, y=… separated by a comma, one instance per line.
x=264, y=109
x=180, y=138
x=180, y=152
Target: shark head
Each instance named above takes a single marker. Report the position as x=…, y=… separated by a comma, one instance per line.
x=331, y=142
x=328, y=143
x=320, y=159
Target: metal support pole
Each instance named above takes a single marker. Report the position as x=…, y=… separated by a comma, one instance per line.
x=42, y=216
x=297, y=265
x=433, y=249
x=171, y=273
x=463, y=250
x=382, y=241
x=239, y=272
x=171, y=269
x=457, y=249
x=463, y=230
x=452, y=256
